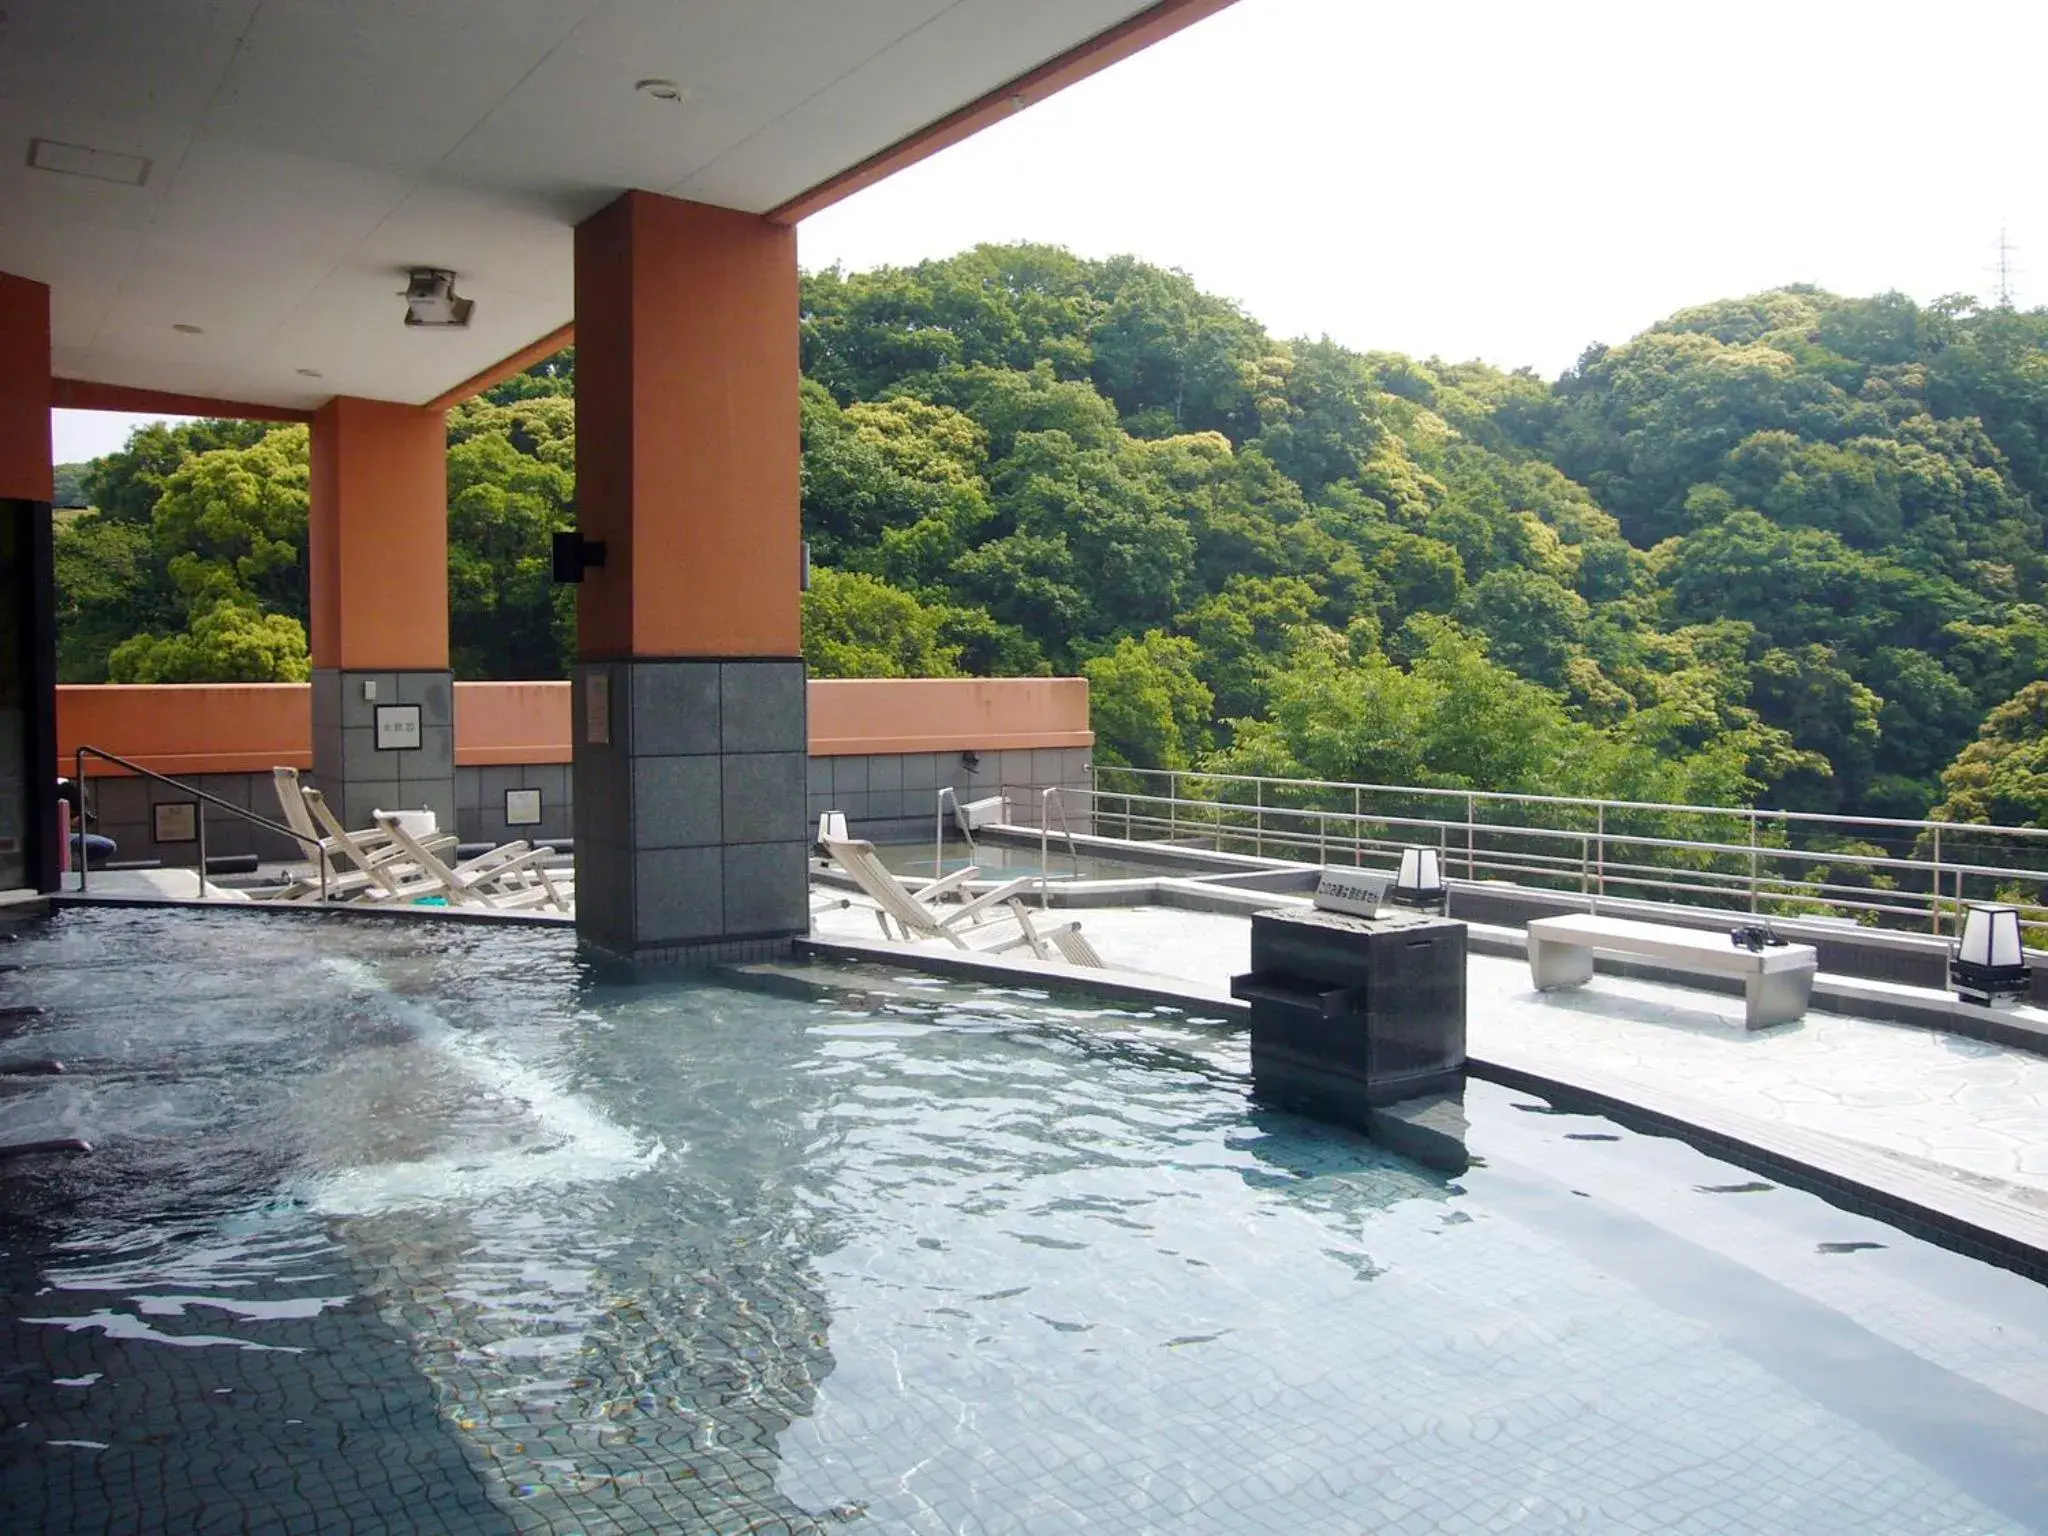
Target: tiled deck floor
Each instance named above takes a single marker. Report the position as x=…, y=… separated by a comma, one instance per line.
x=1913, y=1093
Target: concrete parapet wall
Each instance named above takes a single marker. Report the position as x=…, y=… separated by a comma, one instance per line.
x=192, y=728
x=879, y=751
x=852, y=717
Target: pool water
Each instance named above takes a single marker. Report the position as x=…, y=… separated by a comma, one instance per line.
x=426, y=1227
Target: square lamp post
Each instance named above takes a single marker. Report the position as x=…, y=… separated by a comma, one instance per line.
x=1420, y=882
x=1988, y=965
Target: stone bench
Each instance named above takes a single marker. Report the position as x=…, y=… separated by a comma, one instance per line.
x=1776, y=982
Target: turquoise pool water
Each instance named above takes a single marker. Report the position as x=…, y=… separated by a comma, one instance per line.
x=403, y=1227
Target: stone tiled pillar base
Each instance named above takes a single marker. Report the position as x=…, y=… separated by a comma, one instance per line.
x=691, y=842
x=354, y=774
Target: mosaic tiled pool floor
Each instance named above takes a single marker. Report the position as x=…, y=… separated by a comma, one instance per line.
x=558, y=1255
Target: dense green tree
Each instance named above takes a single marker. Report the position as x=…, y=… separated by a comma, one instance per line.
x=111, y=585
x=2001, y=778
x=1150, y=710
x=511, y=487
x=230, y=525
x=1805, y=693
x=1321, y=427
x=1248, y=634
x=1174, y=359
x=124, y=486
x=70, y=486
x=856, y=626
x=230, y=641
x=1532, y=623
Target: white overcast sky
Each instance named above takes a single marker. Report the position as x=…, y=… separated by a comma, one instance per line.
x=1507, y=181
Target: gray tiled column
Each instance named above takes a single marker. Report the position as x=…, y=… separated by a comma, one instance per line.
x=354, y=774
x=690, y=819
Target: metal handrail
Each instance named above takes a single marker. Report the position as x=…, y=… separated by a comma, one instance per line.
x=201, y=799
x=1572, y=800
x=1591, y=858
x=939, y=830
x=1048, y=798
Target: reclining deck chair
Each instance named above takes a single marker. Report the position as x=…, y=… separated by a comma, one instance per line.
x=917, y=914
x=392, y=872
x=1067, y=938
x=510, y=878
x=349, y=877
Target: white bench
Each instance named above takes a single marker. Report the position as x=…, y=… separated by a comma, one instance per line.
x=1776, y=982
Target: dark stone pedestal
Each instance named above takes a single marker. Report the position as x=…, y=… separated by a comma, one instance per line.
x=1354, y=1015
x=691, y=843
x=409, y=768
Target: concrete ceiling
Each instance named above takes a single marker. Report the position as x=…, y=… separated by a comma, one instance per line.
x=302, y=153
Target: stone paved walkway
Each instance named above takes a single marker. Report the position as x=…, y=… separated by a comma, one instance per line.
x=1937, y=1099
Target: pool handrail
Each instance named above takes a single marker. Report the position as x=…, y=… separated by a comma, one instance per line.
x=201, y=799
x=1048, y=801
x=939, y=829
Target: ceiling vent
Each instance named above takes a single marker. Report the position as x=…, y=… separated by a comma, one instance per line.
x=430, y=298
x=93, y=164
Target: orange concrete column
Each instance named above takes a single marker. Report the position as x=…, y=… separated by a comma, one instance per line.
x=687, y=435
x=689, y=701
x=28, y=625
x=378, y=539
x=25, y=391
x=378, y=549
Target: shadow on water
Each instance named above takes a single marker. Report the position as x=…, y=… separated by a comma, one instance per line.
x=1415, y=1148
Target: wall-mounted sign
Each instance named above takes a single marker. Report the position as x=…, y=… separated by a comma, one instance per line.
x=398, y=727
x=522, y=807
x=177, y=822
x=597, y=709
x=1353, y=891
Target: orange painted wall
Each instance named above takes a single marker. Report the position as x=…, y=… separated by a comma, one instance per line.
x=25, y=469
x=943, y=714
x=252, y=727
x=188, y=728
x=687, y=437
x=378, y=536
x=512, y=723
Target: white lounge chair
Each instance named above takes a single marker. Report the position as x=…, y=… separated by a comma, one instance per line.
x=918, y=915
x=394, y=875
x=349, y=876
x=1067, y=938
x=510, y=878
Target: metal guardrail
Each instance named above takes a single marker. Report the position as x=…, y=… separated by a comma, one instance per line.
x=201, y=799
x=1734, y=856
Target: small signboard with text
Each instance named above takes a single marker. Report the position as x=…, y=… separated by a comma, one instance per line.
x=398, y=727
x=1355, y=891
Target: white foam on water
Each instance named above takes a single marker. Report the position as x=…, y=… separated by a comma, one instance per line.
x=573, y=1141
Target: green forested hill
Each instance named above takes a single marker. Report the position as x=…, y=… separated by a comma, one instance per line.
x=1789, y=547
